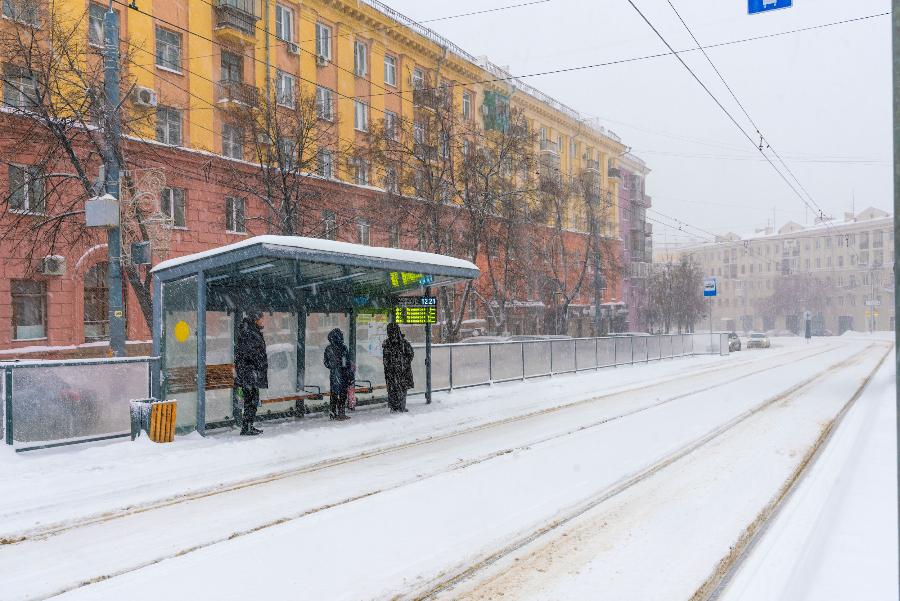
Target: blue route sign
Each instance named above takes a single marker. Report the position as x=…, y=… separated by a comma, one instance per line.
x=710, y=287
x=762, y=6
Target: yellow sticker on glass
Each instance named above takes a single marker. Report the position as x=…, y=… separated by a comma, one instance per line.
x=182, y=331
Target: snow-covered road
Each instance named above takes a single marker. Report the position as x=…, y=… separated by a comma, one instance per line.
x=630, y=463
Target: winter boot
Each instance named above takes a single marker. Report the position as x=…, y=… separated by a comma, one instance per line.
x=255, y=430
x=248, y=430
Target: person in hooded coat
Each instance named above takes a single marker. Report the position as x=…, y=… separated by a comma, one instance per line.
x=337, y=360
x=397, y=355
x=251, y=367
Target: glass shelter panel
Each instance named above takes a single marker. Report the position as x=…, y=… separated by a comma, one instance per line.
x=280, y=333
x=219, y=351
x=179, y=351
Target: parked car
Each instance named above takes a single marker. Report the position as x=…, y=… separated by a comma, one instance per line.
x=734, y=342
x=758, y=340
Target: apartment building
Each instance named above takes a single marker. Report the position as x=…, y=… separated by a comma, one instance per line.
x=840, y=271
x=192, y=62
x=637, y=238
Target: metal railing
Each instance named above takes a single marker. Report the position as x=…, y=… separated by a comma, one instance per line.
x=237, y=92
x=45, y=402
x=456, y=366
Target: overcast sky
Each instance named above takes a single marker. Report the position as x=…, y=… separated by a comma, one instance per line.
x=822, y=98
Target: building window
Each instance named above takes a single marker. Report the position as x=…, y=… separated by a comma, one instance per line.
x=171, y=204
x=878, y=239
x=418, y=79
x=232, y=141
x=840, y=260
x=234, y=215
x=96, y=303
x=323, y=41
x=19, y=88
x=168, y=49
x=362, y=231
x=29, y=308
x=360, y=171
x=329, y=225
x=324, y=103
x=168, y=126
x=360, y=59
x=467, y=105
x=391, y=123
x=361, y=116
x=390, y=70
x=864, y=240
x=26, y=189
x=232, y=67
x=23, y=11
x=96, y=14
x=285, y=89
x=287, y=148
x=325, y=164
x=394, y=236
x=390, y=180
x=284, y=23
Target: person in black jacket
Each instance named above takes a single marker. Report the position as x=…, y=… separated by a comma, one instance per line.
x=397, y=355
x=337, y=360
x=251, y=366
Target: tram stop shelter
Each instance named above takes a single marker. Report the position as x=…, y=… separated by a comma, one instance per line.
x=303, y=287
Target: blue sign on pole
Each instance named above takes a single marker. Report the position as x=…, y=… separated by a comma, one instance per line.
x=762, y=6
x=710, y=287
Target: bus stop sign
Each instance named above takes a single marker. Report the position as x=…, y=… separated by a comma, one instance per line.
x=755, y=7
x=710, y=287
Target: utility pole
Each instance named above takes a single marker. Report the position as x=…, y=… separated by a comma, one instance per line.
x=113, y=134
x=895, y=20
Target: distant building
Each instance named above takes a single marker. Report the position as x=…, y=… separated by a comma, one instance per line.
x=847, y=266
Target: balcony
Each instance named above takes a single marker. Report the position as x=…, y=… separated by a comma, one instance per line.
x=431, y=98
x=237, y=93
x=592, y=166
x=236, y=20
x=614, y=172
x=549, y=147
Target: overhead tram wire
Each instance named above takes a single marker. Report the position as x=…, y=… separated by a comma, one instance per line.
x=743, y=108
x=720, y=105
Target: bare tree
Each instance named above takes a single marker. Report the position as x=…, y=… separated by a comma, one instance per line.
x=675, y=297
x=288, y=142
x=54, y=110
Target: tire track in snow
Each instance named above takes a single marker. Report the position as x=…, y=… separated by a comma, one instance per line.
x=436, y=588
x=62, y=527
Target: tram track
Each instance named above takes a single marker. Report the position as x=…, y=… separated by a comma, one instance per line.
x=69, y=525
x=715, y=586
x=447, y=582
x=407, y=482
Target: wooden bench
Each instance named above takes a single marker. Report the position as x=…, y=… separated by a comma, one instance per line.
x=184, y=379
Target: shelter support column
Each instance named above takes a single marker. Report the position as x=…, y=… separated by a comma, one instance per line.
x=427, y=355
x=201, y=353
x=156, y=370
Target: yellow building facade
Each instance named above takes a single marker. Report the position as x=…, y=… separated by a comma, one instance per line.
x=194, y=57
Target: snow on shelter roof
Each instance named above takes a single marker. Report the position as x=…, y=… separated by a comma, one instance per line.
x=321, y=251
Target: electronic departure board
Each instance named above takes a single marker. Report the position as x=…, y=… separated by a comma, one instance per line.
x=411, y=310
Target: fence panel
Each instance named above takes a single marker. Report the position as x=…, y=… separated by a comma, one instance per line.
x=640, y=347
x=665, y=347
x=471, y=365
x=563, y=356
x=506, y=361
x=653, y=348
x=57, y=402
x=537, y=359
x=623, y=350
x=586, y=353
x=606, y=352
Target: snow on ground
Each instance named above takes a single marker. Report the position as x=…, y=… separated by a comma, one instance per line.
x=64, y=484
x=836, y=538
x=412, y=514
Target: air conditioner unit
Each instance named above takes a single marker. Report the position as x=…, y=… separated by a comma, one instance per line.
x=145, y=97
x=293, y=48
x=321, y=60
x=52, y=265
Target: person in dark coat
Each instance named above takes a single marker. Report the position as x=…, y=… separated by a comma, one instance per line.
x=337, y=360
x=251, y=367
x=397, y=355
